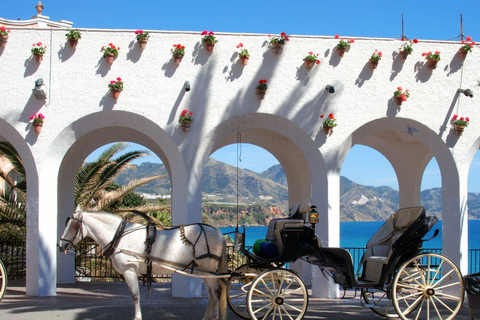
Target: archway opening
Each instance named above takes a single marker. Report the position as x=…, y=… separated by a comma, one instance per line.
x=262, y=187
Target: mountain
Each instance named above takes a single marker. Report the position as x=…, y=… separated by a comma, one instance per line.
x=357, y=202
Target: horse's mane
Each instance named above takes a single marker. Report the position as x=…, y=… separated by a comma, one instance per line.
x=115, y=219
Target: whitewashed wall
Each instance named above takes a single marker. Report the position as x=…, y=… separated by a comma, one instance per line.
x=81, y=115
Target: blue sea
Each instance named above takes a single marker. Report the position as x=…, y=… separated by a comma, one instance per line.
x=357, y=234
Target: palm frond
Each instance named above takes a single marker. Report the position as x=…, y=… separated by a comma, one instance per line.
x=7, y=150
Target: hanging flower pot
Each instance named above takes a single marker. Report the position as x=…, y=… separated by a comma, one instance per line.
x=110, y=52
x=462, y=53
x=459, y=130
x=3, y=36
x=328, y=130
x=432, y=64
x=261, y=89
x=466, y=48
x=376, y=56
x=185, y=120
x=342, y=45
x=116, y=86
x=185, y=126
x=277, y=48
x=38, y=57
x=142, y=44
x=398, y=101
x=209, y=46
x=244, y=60
x=115, y=94
x=400, y=95
x=309, y=64
x=209, y=40
x=177, y=59
x=310, y=59
x=110, y=58
x=341, y=52
x=73, y=43
x=329, y=123
x=38, y=127
x=403, y=55
x=373, y=64
x=38, y=50
x=277, y=42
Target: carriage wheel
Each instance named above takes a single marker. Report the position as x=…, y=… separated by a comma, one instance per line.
x=3, y=280
x=429, y=286
x=238, y=290
x=277, y=294
x=379, y=301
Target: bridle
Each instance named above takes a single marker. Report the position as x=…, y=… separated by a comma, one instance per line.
x=79, y=222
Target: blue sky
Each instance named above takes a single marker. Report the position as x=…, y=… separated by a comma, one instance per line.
x=438, y=20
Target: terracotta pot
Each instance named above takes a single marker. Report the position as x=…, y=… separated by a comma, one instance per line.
x=38, y=57
x=244, y=60
x=142, y=44
x=459, y=130
x=115, y=94
x=261, y=93
x=277, y=48
x=373, y=64
x=209, y=46
x=309, y=64
x=432, y=64
x=73, y=43
x=328, y=130
x=403, y=55
x=38, y=127
x=110, y=58
x=177, y=58
x=398, y=100
x=341, y=51
x=3, y=40
x=185, y=126
x=462, y=53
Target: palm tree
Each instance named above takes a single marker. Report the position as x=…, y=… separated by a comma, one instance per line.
x=13, y=197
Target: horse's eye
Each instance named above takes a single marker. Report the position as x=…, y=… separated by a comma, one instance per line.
x=66, y=222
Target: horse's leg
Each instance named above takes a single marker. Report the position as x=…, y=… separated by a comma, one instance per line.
x=211, y=312
x=131, y=278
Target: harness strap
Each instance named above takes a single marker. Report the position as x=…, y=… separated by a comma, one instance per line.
x=112, y=246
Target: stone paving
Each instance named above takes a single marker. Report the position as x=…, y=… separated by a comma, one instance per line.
x=111, y=301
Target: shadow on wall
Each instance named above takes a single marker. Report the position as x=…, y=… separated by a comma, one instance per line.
x=170, y=68
x=103, y=67
x=32, y=107
x=392, y=109
x=236, y=68
x=108, y=102
x=31, y=66
x=448, y=117
x=65, y=52
x=455, y=65
x=200, y=55
x=365, y=74
x=423, y=73
x=397, y=65
x=135, y=53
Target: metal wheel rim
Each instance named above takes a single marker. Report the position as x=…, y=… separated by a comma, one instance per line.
x=277, y=294
x=428, y=286
x=238, y=290
x=379, y=302
x=3, y=280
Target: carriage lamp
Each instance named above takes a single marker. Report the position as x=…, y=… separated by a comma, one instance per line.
x=466, y=92
x=186, y=86
x=38, y=91
x=313, y=215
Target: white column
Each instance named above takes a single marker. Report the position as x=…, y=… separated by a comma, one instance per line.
x=328, y=230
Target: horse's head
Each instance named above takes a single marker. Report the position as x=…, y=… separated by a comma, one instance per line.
x=73, y=231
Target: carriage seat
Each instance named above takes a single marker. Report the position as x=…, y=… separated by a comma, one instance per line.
x=294, y=221
x=379, y=247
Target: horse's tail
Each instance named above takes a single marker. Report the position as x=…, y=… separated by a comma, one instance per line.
x=223, y=269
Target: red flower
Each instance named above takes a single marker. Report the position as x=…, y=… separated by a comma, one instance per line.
x=41, y=116
x=269, y=35
x=112, y=82
x=437, y=52
x=402, y=39
x=39, y=44
x=103, y=48
x=467, y=119
x=473, y=43
x=403, y=97
x=190, y=113
x=399, y=88
x=352, y=41
x=240, y=45
x=31, y=117
x=469, y=38
x=336, y=37
x=204, y=33
x=2, y=28
x=415, y=41
x=283, y=34
x=321, y=116
x=310, y=53
x=317, y=62
x=119, y=79
x=455, y=117
x=286, y=38
x=331, y=116
x=211, y=33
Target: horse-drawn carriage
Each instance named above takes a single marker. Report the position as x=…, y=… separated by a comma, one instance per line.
x=397, y=280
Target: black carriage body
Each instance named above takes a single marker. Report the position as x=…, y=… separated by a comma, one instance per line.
x=302, y=243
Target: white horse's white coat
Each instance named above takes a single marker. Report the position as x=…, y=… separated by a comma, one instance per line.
x=169, y=246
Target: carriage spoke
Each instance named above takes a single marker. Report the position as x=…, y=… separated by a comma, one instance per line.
x=288, y=314
x=439, y=268
x=443, y=304
x=436, y=309
x=291, y=307
x=443, y=277
x=448, y=285
x=420, y=310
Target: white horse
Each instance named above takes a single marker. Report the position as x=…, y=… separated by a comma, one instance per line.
x=199, y=246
